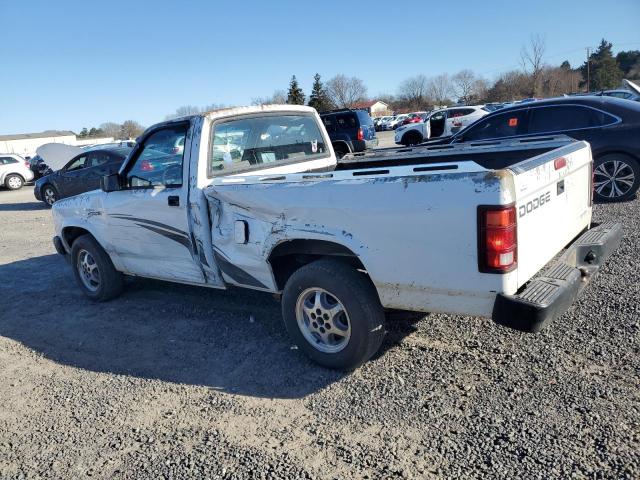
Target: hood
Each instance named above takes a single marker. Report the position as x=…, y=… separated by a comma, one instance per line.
x=56, y=155
x=632, y=86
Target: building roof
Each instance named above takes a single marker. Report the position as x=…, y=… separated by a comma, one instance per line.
x=368, y=104
x=45, y=134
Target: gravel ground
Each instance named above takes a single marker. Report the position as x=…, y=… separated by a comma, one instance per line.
x=183, y=382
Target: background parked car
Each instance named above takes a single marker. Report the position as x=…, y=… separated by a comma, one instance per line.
x=81, y=174
x=350, y=131
x=415, y=117
x=14, y=171
x=610, y=125
x=385, y=122
x=443, y=122
x=397, y=121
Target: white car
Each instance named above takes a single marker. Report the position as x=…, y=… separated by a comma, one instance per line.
x=440, y=123
x=466, y=229
x=14, y=171
x=393, y=124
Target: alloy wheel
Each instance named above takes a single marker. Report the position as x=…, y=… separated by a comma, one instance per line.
x=323, y=320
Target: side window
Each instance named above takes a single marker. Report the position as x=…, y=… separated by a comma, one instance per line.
x=347, y=120
x=8, y=160
x=566, y=117
x=95, y=159
x=77, y=163
x=250, y=143
x=506, y=124
x=160, y=161
x=329, y=123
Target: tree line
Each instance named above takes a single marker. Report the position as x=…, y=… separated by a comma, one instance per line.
x=119, y=131
x=534, y=78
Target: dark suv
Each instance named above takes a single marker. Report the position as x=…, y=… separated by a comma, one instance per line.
x=610, y=125
x=81, y=174
x=350, y=131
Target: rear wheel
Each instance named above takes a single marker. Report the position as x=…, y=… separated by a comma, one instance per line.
x=616, y=177
x=94, y=272
x=411, y=138
x=49, y=195
x=333, y=314
x=13, y=182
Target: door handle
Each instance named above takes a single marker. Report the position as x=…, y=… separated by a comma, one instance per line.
x=173, y=200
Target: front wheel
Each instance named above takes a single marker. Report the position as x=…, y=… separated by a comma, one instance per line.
x=49, y=195
x=616, y=177
x=333, y=314
x=94, y=272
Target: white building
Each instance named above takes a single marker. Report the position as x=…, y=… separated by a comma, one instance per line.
x=375, y=108
x=26, y=144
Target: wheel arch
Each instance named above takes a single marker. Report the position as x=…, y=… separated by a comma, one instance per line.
x=71, y=233
x=411, y=133
x=342, y=143
x=288, y=256
x=602, y=153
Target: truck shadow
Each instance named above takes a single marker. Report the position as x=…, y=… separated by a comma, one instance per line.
x=231, y=341
x=21, y=207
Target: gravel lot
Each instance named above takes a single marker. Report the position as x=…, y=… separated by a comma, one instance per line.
x=175, y=382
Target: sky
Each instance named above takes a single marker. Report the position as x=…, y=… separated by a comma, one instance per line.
x=72, y=64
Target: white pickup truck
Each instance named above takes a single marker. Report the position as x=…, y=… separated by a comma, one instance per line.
x=256, y=199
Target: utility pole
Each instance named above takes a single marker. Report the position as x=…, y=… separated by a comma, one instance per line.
x=588, y=69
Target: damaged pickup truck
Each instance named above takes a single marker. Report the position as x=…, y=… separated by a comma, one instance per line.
x=253, y=197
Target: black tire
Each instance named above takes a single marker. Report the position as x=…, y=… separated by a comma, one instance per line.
x=340, y=151
x=43, y=194
x=620, y=166
x=411, y=138
x=14, y=181
x=360, y=300
x=111, y=282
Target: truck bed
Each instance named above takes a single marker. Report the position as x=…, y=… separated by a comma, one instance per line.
x=492, y=155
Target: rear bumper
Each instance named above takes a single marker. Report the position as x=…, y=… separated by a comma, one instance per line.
x=551, y=294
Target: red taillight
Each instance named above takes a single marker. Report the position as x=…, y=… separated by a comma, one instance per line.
x=559, y=163
x=26, y=164
x=497, y=239
x=145, y=166
x=360, y=134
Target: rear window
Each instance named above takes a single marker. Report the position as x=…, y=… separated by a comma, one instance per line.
x=566, y=117
x=365, y=118
x=250, y=143
x=347, y=120
x=460, y=112
x=507, y=124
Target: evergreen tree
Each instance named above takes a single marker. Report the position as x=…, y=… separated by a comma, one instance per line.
x=603, y=70
x=318, y=98
x=295, y=96
x=84, y=132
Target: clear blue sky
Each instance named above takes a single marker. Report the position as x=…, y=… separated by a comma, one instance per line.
x=70, y=64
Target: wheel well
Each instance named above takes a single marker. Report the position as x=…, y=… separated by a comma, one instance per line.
x=14, y=174
x=289, y=256
x=341, y=143
x=411, y=134
x=616, y=152
x=70, y=234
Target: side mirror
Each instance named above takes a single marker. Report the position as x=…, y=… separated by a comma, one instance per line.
x=110, y=183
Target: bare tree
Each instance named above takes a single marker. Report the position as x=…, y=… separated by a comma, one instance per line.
x=214, y=106
x=464, y=84
x=111, y=129
x=531, y=60
x=345, y=91
x=183, y=111
x=414, y=92
x=130, y=129
x=439, y=89
x=279, y=97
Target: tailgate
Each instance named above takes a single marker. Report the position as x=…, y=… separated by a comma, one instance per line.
x=553, y=204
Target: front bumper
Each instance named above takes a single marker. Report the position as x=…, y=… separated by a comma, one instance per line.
x=59, y=246
x=36, y=192
x=550, y=295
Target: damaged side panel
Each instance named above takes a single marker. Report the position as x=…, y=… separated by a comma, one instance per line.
x=417, y=243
